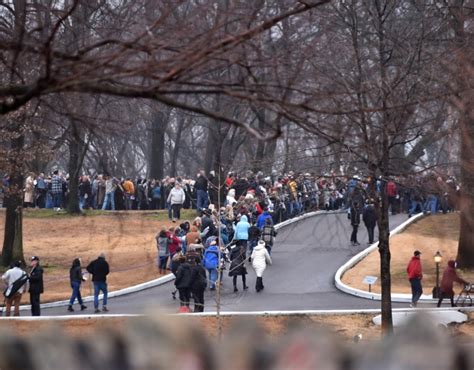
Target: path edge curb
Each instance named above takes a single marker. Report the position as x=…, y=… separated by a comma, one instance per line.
x=398, y=297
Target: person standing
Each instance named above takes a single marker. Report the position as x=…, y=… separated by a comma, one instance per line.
x=128, y=192
x=162, y=242
x=110, y=187
x=415, y=274
x=76, y=278
x=201, y=187
x=176, y=199
x=99, y=269
x=16, y=280
x=57, y=190
x=449, y=277
x=370, y=220
x=355, y=222
x=36, y=286
x=260, y=258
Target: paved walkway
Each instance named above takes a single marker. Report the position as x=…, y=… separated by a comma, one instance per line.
x=305, y=259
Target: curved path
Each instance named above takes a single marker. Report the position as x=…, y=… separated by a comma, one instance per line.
x=306, y=256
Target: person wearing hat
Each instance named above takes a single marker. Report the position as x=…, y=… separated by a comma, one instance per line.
x=36, y=286
x=260, y=258
x=415, y=274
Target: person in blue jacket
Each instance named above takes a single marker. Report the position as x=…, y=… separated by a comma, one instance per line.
x=261, y=220
x=241, y=235
x=211, y=263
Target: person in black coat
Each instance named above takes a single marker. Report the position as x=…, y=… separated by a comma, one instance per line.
x=183, y=283
x=99, y=269
x=36, y=286
x=76, y=279
x=237, y=265
x=355, y=222
x=198, y=284
x=370, y=220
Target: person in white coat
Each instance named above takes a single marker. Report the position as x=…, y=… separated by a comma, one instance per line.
x=260, y=258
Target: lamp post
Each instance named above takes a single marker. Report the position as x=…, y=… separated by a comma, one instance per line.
x=438, y=258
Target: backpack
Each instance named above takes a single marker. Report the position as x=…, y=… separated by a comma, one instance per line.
x=267, y=235
x=15, y=287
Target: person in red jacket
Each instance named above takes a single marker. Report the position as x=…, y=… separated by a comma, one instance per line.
x=449, y=277
x=415, y=275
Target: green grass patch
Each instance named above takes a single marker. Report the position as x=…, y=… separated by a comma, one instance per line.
x=50, y=213
x=162, y=215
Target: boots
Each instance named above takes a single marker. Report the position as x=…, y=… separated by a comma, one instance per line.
x=70, y=309
x=83, y=307
x=259, y=284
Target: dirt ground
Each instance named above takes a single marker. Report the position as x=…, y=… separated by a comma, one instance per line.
x=429, y=235
x=127, y=239
x=344, y=326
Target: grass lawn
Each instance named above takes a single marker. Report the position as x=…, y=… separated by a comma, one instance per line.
x=127, y=239
x=429, y=235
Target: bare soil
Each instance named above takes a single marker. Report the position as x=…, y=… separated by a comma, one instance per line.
x=428, y=235
x=127, y=239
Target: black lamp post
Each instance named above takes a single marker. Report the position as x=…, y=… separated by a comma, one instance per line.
x=438, y=258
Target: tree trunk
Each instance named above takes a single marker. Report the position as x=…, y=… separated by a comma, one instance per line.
x=77, y=152
x=13, y=236
x=465, y=84
x=210, y=149
x=156, y=162
x=176, y=148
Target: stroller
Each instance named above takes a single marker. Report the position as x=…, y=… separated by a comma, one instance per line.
x=464, y=299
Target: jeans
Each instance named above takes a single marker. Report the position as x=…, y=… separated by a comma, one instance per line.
x=162, y=260
x=370, y=231
x=76, y=293
x=176, y=210
x=431, y=204
x=202, y=200
x=109, y=201
x=416, y=290
x=83, y=202
x=100, y=286
x=128, y=201
x=251, y=245
x=57, y=200
x=212, y=278
x=414, y=205
x=354, y=233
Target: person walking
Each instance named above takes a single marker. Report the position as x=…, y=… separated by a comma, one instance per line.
x=183, y=284
x=415, y=274
x=201, y=187
x=241, y=235
x=268, y=235
x=237, y=265
x=17, y=281
x=260, y=258
x=76, y=278
x=211, y=263
x=99, y=269
x=449, y=277
x=36, y=286
x=198, y=283
x=355, y=222
x=370, y=220
x=176, y=199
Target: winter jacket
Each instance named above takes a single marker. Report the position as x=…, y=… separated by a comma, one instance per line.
x=254, y=233
x=260, y=259
x=183, y=276
x=13, y=275
x=75, y=273
x=268, y=235
x=173, y=243
x=237, y=265
x=99, y=269
x=355, y=216
x=449, y=277
x=414, y=268
x=198, y=278
x=262, y=219
x=201, y=183
x=36, y=280
x=211, y=257
x=242, y=229
x=206, y=222
x=368, y=216
x=176, y=196
x=162, y=242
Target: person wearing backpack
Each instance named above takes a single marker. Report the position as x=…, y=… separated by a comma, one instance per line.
x=211, y=263
x=36, y=286
x=17, y=281
x=268, y=234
